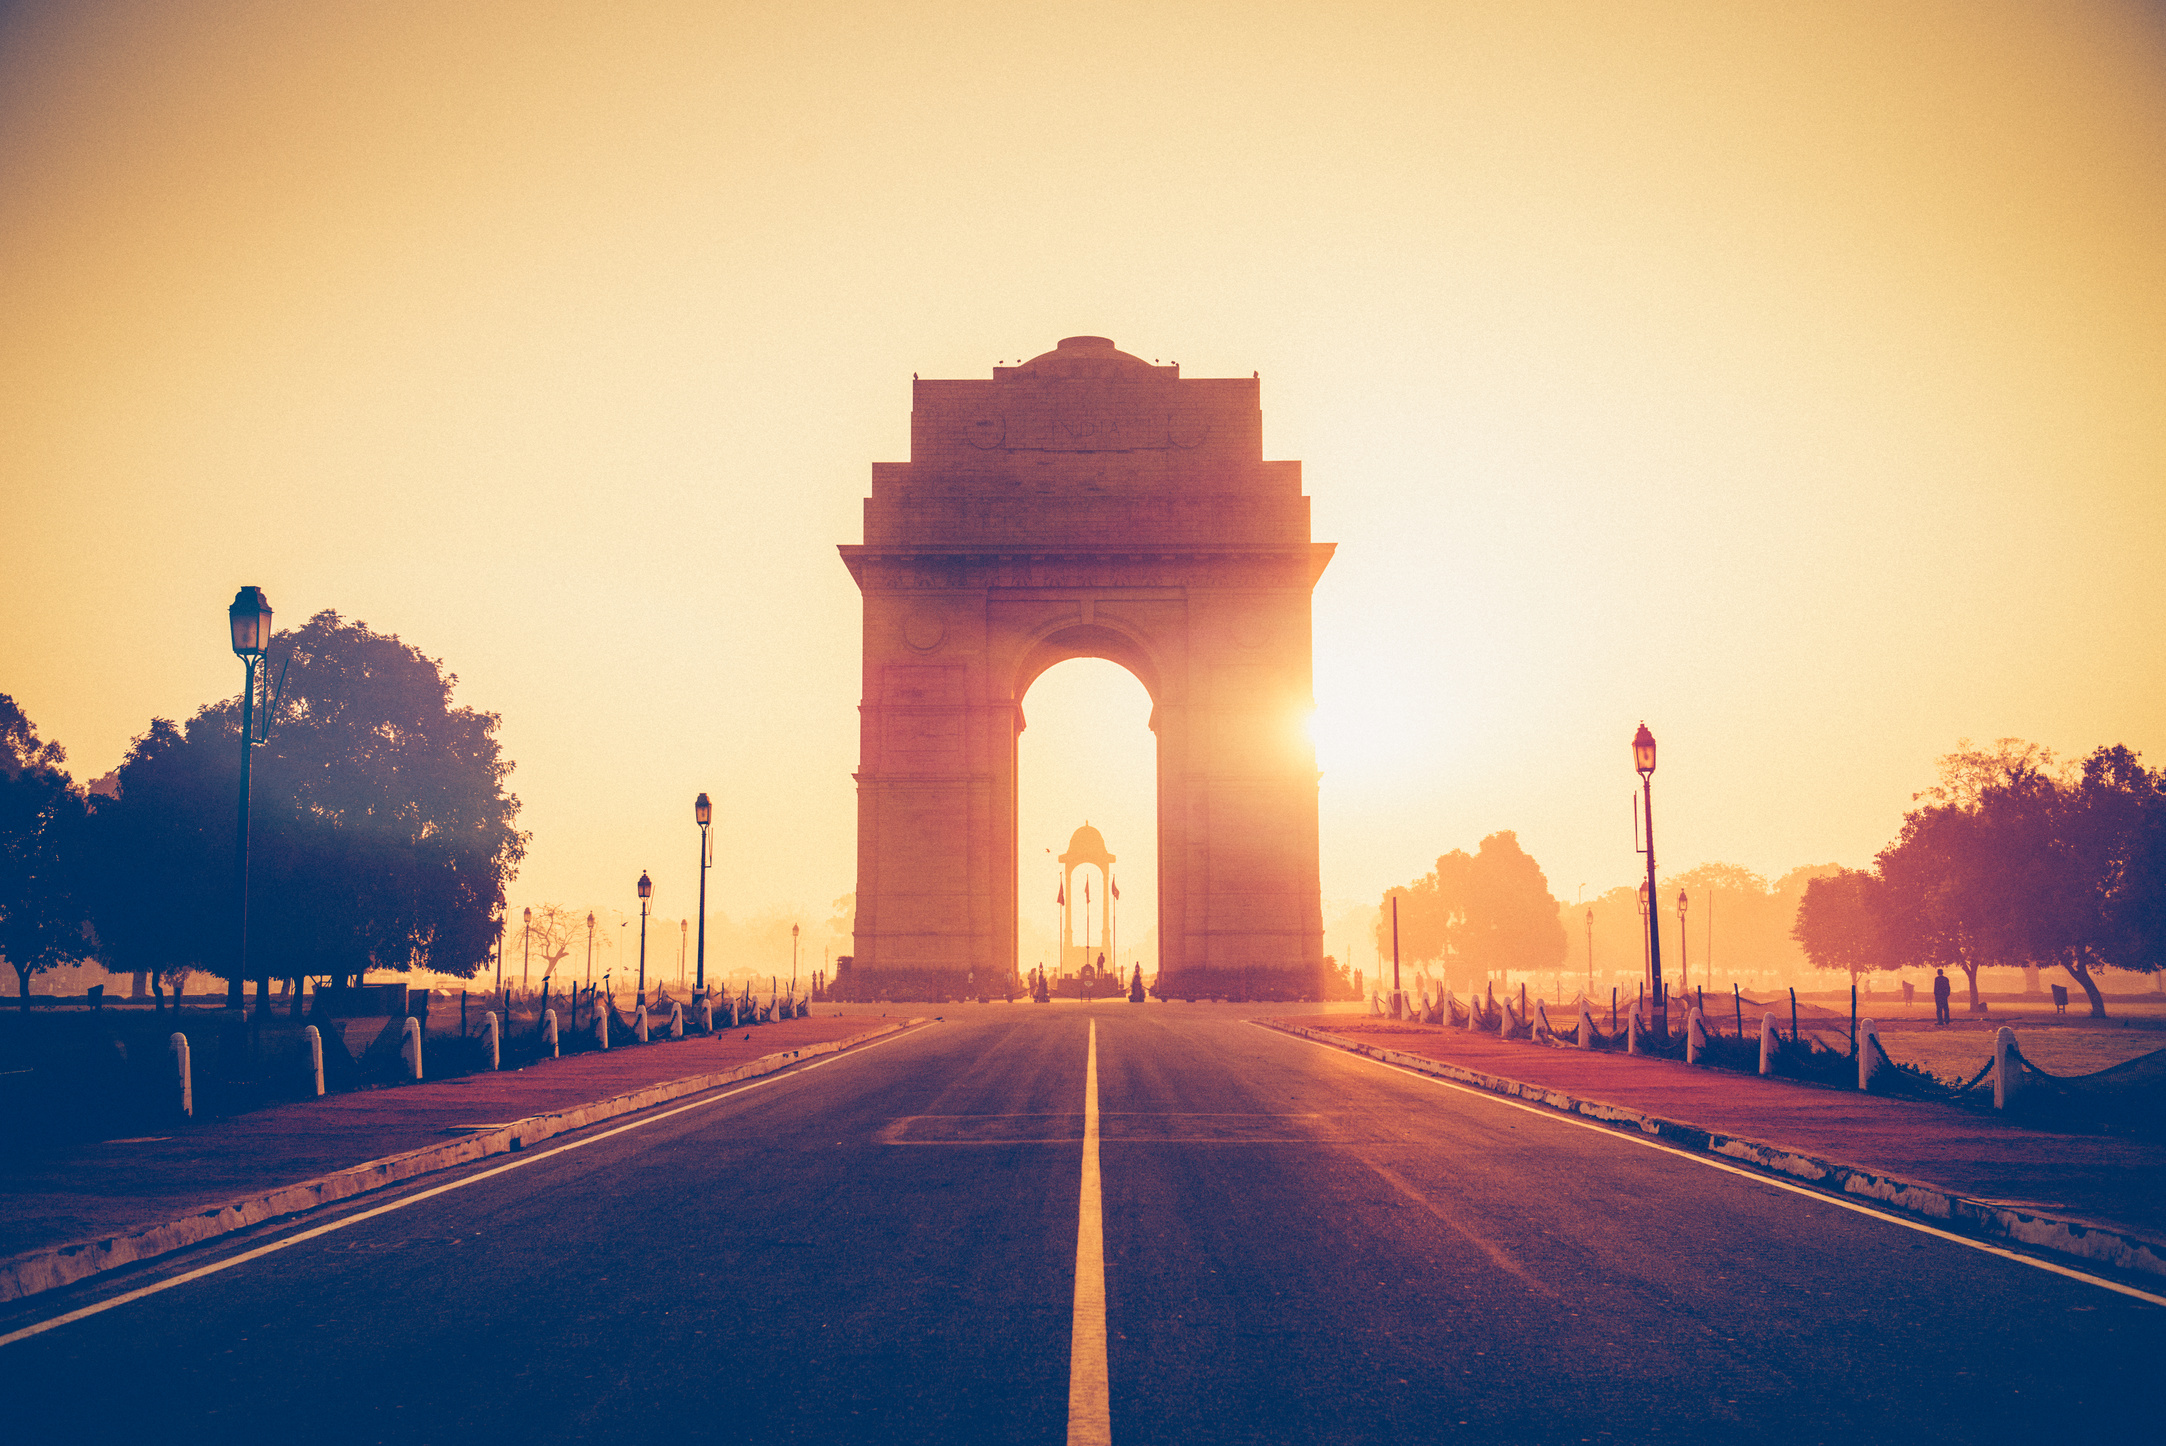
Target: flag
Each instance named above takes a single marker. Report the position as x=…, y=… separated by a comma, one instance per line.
x=1086, y=893
x=1115, y=885
x=1060, y=894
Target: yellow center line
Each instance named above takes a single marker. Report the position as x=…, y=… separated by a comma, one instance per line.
x=1090, y=1412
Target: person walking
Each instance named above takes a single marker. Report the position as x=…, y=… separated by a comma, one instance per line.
x=1940, y=996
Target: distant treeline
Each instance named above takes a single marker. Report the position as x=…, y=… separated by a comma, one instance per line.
x=381, y=833
x=2012, y=859
x=1477, y=916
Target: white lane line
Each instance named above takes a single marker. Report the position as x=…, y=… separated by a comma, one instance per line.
x=415, y=1199
x=1090, y=1409
x=1728, y=1169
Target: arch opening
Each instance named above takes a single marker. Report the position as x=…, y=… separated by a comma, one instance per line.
x=1086, y=755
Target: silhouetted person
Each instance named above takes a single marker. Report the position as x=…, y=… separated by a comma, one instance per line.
x=1940, y=996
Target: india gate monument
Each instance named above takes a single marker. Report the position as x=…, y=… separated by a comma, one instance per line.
x=1087, y=504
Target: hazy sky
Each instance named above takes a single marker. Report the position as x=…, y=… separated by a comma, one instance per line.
x=1793, y=377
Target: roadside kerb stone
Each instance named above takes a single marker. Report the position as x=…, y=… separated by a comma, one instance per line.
x=2103, y=1245
x=41, y=1270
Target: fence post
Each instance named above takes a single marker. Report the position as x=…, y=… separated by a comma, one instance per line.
x=410, y=1048
x=1868, y=1048
x=2007, y=1079
x=315, y=1056
x=177, y=1046
x=549, y=1031
x=491, y=1049
x=1770, y=1038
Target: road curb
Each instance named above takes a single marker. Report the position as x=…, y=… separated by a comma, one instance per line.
x=2083, y=1240
x=37, y=1271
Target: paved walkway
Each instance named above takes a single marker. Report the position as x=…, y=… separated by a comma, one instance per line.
x=84, y=1192
x=2111, y=1181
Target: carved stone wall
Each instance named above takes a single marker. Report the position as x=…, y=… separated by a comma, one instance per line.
x=1087, y=503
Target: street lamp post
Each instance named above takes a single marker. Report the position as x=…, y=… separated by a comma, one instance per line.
x=646, y=892
x=703, y=814
x=793, y=961
x=1643, y=759
x=1398, y=998
x=590, y=949
x=684, y=928
x=1590, y=953
x=250, y=620
x=526, y=948
x=1684, y=949
x=1645, y=975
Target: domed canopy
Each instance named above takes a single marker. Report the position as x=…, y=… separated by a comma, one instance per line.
x=1085, y=356
x=1087, y=846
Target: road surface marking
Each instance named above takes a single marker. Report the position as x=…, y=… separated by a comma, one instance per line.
x=529, y=1158
x=1729, y=1169
x=1090, y=1412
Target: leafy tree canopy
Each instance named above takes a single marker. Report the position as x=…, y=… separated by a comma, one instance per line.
x=381, y=837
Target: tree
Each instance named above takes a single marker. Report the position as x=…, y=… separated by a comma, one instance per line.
x=1492, y=909
x=1936, y=898
x=554, y=932
x=1839, y=923
x=2072, y=866
x=381, y=834
x=160, y=882
x=42, y=922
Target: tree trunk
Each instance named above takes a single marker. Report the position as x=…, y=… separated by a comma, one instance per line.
x=22, y=986
x=2081, y=973
x=1970, y=975
x=293, y=987
x=157, y=988
x=135, y=986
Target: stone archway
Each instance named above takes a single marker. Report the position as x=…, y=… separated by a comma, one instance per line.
x=1087, y=503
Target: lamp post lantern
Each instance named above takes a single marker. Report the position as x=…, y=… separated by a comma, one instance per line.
x=1684, y=948
x=646, y=892
x=703, y=814
x=249, y=618
x=1643, y=759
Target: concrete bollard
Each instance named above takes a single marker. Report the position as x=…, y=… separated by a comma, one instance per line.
x=1868, y=1053
x=492, y=1052
x=601, y=1029
x=639, y=1024
x=1632, y=1032
x=706, y=1016
x=315, y=1056
x=1695, y=1036
x=177, y=1046
x=549, y=1032
x=2007, y=1068
x=1586, y=1025
x=1770, y=1042
x=410, y=1048
x=676, y=1019
x=1474, y=1013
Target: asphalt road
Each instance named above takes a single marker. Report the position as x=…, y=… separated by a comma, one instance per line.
x=1299, y=1246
